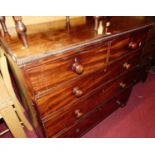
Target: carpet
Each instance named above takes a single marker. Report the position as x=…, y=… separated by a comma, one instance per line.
x=136, y=120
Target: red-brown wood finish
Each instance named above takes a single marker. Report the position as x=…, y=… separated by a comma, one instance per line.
x=76, y=77
x=47, y=75
x=63, y=94
x=66, y=116
x=95, y=116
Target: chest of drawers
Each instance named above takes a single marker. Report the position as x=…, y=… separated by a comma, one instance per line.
x=71, y=80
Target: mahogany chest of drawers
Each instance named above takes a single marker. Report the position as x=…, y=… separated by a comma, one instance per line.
x=69, y=80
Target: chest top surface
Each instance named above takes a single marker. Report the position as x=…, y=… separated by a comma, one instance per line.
x=54, y=38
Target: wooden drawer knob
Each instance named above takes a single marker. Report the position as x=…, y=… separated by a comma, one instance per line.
x=77, y=130
x=78, y=68
x=78, y=113
x=120, y=103
x=140, y=44
x=77, y=92
x=132, y=45
x=123, y=85
x=126, y=65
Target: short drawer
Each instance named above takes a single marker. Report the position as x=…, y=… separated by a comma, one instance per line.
x=52, y=73
x=76, y=89
x=95, y=116
x=126, y=44
x=68, y=115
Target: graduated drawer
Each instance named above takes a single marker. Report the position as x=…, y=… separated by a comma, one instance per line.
x=68, y=115
x=126, y=44
x=73, y=90
x=95, y=116
x=47, y=75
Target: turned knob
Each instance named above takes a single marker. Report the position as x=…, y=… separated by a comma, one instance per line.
x=140, y=44
x=120, y=103
x=78, y=68
x=126, y=65
x=132, y=45
x=77, y=130
x=123, y=85
x=78, y=113
x=77, y=92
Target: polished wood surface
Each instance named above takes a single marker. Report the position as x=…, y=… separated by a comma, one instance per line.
x=66, y=68
x=54, y=38
x=95, y=116
x=63, y=94
x=67, y=116
x=127, y=43
x=75, y=77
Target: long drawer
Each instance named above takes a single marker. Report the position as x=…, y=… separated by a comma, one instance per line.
x=95, y=116
x=74, y=90
x=68, y=115
x=49, y=74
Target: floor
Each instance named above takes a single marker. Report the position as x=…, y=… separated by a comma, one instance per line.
x=136, y=120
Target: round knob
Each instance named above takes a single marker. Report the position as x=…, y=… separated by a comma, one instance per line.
x=126, y=65
x=78, y=113
x=132, y=45
x=77, y=92
x=78, y=68
x=140, y=44
x=123, y=85
x=120, y=103
x=77, y=130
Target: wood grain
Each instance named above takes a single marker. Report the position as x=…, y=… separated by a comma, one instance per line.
x=66, y=116
x=95, y=116
x=63, y=94
x=55, y=39
x=72, y=74
x=49, y=74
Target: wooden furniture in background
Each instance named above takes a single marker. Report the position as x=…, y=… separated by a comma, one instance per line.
x=70, y=81
x=8, y=113
x=21, y=30
x=10, y=108
x=3, y=25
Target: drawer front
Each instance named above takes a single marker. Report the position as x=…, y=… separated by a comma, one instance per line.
x=78, y=88
x=68, y=115
x=96, y=116
x=126, y=44
x=50, y=74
